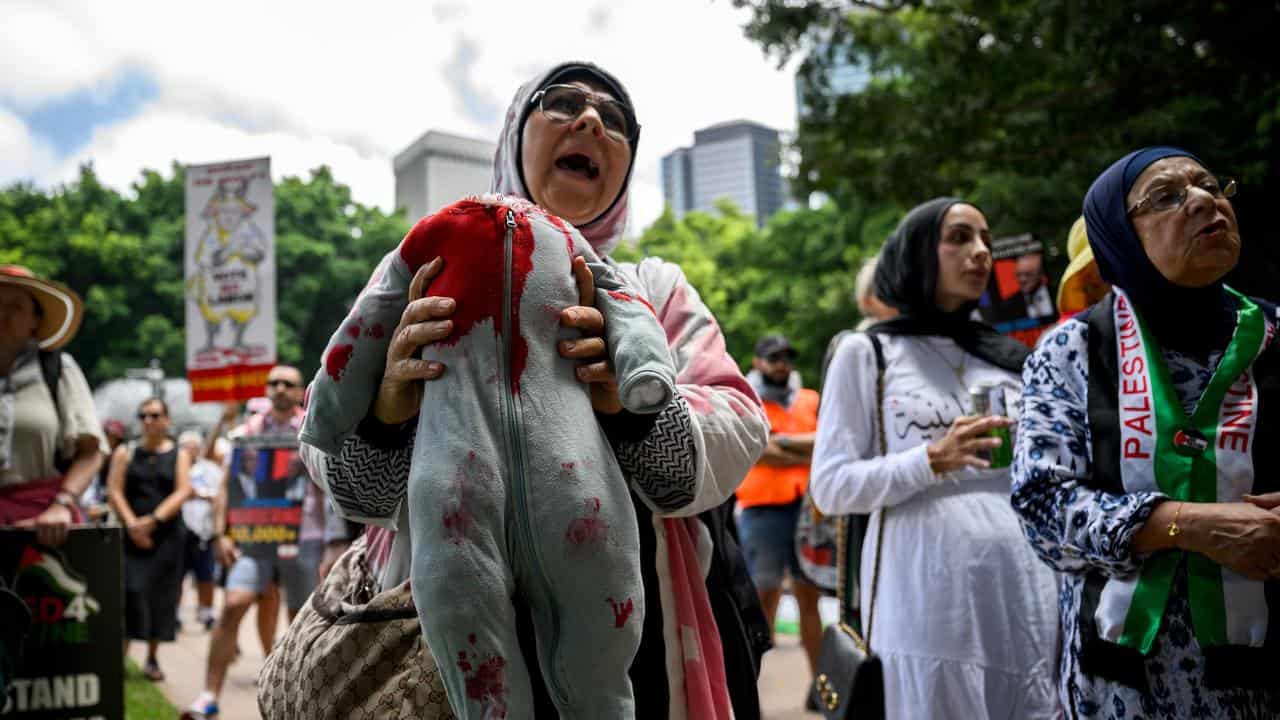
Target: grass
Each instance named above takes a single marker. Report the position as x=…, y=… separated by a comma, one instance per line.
x=142, y=699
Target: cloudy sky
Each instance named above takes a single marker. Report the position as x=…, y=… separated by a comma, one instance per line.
x=133, y=85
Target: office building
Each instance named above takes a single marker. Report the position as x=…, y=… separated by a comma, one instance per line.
x=440, y=168
x=844, y=76
x=737, y=160
x=677, y=181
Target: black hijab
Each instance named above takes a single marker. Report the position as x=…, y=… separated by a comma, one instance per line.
x=1190, y=320
x=907, y=279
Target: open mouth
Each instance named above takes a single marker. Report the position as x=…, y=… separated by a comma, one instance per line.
x=1213, y=228
x=580, y=164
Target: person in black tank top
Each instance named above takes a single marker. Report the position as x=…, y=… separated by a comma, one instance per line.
x=147, y=484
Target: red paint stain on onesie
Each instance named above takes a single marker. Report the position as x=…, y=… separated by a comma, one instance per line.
x=354, y=329
x=588, y=530
x=456, y=518
x=486, y=681
x=470, y=238
x=621, y=611
x=568, y=236
x=335, y=362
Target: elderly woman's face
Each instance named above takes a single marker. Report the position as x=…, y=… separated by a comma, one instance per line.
x=1194, y=244
x=964, y=257
x=573, y=169
x=18, y=319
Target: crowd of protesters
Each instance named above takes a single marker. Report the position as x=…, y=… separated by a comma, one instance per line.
x=1121, y=561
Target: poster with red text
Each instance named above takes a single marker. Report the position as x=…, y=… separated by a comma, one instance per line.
x=230, y=276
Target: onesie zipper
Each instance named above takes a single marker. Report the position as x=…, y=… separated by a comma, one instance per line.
x=517, y=462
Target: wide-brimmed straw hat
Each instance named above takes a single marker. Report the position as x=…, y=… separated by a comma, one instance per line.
x=61, y=308
x=1071, y=292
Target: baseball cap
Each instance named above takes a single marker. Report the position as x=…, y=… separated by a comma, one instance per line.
x=773, y=344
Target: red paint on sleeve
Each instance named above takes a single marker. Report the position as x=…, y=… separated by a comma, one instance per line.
x=335, y=362
x=627, y=297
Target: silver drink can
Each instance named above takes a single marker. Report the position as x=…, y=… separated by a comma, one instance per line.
x=980, y=399
x=988, y=399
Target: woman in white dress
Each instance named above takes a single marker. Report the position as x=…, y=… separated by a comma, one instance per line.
x=965, y=617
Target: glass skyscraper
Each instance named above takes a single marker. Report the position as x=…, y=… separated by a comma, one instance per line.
x=737, y=160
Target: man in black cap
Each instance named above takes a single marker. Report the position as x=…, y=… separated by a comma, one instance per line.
x=771, y=494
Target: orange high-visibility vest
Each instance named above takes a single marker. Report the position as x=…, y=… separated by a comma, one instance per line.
x=766, y=485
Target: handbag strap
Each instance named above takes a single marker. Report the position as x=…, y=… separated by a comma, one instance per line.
x=846, y=527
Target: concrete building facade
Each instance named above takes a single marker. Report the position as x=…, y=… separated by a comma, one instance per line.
x=441, y=168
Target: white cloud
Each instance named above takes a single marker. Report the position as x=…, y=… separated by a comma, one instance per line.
x=159, y=135
x=45, y=53
x=23, y=157
x=351, y=86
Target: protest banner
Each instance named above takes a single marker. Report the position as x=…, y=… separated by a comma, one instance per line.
x=71, y=666
x=1018, y=302
x=264, y=497
x=230, y=275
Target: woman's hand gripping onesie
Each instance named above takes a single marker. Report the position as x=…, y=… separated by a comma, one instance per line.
x=513, y=486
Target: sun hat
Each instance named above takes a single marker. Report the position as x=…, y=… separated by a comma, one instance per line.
x=1071, y=291
x=61, y=308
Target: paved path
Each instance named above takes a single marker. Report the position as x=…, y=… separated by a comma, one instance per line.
x=183, y=662
x=783, y=680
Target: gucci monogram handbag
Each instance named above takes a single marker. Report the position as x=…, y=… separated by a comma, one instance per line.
x=850, y=679
x=353, y=653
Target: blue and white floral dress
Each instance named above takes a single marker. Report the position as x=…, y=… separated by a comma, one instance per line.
x=1076, y=529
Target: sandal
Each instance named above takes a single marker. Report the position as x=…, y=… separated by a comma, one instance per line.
x=153, y=672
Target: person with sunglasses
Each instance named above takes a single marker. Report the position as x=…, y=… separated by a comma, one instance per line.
x=254, y=580
x=568, y=145
x=147, y=484
x=1145, y=466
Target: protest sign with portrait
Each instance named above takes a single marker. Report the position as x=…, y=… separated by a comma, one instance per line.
x=1018, y=302
x=268, y=483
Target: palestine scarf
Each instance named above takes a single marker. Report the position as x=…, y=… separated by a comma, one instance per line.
x=1204, y=457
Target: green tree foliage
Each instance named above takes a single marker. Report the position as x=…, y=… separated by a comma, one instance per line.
x=793, y=277
x=1019, y=104
x=124, y=255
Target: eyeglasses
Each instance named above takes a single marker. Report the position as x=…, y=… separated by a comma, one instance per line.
x=145, y=416
x=1171, y=197
x=564, y=103
x=779, y=357
x=288, y=384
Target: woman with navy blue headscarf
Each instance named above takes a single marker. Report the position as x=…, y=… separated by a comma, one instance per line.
x=1145, y=468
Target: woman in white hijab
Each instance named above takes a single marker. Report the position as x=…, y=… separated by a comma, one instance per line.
x=568, y=144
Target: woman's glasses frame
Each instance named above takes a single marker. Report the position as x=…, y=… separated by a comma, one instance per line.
x=145, y=416
x=581, y=99
x=1174, y=197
